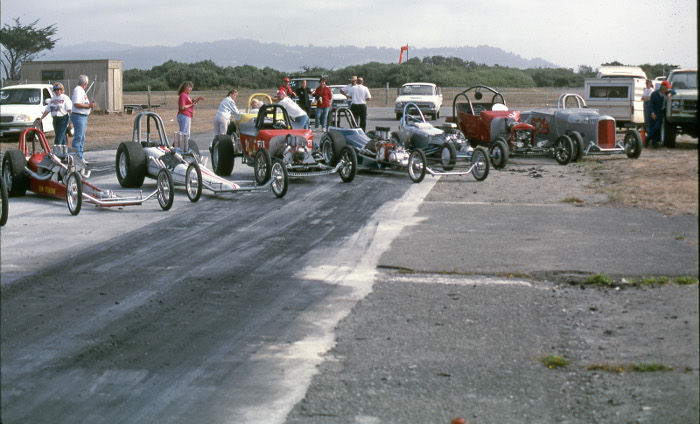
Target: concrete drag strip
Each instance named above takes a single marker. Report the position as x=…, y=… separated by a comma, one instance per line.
x=292, y=365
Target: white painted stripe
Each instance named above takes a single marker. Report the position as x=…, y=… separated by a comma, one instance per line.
x=293, y=365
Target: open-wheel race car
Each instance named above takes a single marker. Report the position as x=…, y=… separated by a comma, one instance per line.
x=272, y=134
x=492, y=124
x=590, y=132
x=59, y=172
x=249, y=113
x=437, y=151
x=150, y=151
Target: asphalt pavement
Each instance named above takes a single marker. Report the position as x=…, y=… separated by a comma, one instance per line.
x=437, y=304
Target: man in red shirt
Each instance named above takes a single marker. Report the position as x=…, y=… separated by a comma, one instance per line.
x=287, y=89
x=323, y=96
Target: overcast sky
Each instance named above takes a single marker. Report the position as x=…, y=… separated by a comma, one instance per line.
x=566, y=33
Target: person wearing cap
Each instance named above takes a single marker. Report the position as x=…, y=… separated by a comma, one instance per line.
x=297, y=114
x=82, y=107
x=60, y=107
x=287, y=89
x=345, y=91
x=359, y=95
x=658, y=103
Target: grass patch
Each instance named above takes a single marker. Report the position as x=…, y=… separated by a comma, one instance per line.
x=662, y=280
x=599, y=280
x=554, y=361
x=622, y=368
x=652, y=281
x=686, y=281
x=573, y=199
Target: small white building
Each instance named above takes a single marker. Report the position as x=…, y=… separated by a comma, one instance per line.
x=106, y=74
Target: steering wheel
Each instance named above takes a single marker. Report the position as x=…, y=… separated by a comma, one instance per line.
x=279, y=125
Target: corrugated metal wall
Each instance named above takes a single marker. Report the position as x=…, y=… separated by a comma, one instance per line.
x=106, y=75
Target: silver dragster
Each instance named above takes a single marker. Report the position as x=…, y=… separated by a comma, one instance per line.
x=150, y=151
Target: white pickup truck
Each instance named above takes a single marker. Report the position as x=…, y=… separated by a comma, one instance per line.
x=682, y=109
x=617, y=91
x=425, y=95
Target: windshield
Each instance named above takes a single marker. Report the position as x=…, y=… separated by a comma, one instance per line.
x=684, y=80
x=417, y=90
x=20, y=96
x=310, y=83
x=336, y=90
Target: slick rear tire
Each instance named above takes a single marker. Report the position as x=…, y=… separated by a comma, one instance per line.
x=332, y=144
x=16, y=179
x=5, y=205
x=222, y=158
x=448, y=156
x=578, y=145
x=131, y=165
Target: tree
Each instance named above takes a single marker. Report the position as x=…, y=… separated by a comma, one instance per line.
x=23, y=43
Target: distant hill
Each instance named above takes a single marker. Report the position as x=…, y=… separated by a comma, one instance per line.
x=239, y=52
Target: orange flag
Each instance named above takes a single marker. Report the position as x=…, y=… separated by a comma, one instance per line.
x=403, y=49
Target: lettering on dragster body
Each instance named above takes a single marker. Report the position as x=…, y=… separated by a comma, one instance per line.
x=541, y=125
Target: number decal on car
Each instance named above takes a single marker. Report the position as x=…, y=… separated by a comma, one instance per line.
x=541, y=125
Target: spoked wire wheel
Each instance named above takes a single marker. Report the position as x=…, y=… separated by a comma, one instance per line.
x=480, y=161
x=193, y=182
x=74, y=193
x=280, y=178
x=416, y=166
x=166, y=189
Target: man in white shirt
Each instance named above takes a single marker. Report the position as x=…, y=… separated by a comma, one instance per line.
x=359, y=94
x=297, y=114
x=82, y=107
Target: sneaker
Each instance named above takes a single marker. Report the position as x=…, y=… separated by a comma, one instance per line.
x=85, y=161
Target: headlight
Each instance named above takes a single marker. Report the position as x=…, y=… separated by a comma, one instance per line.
x=676, y=104
x=23, y=118
x=433, y=105
x=398, y=104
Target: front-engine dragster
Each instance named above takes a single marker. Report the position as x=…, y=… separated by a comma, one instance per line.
x=272, y=134
x=437, y=151
x=150, y=151
x=59, y=172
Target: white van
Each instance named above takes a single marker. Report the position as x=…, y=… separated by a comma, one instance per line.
x=617, y=92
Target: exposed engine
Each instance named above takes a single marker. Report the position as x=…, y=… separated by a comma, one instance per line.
x=295, y=150
x=393, y=153
x=522, y=138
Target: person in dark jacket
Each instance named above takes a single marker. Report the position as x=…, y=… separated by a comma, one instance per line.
x=657, y=104
x=305, y=94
